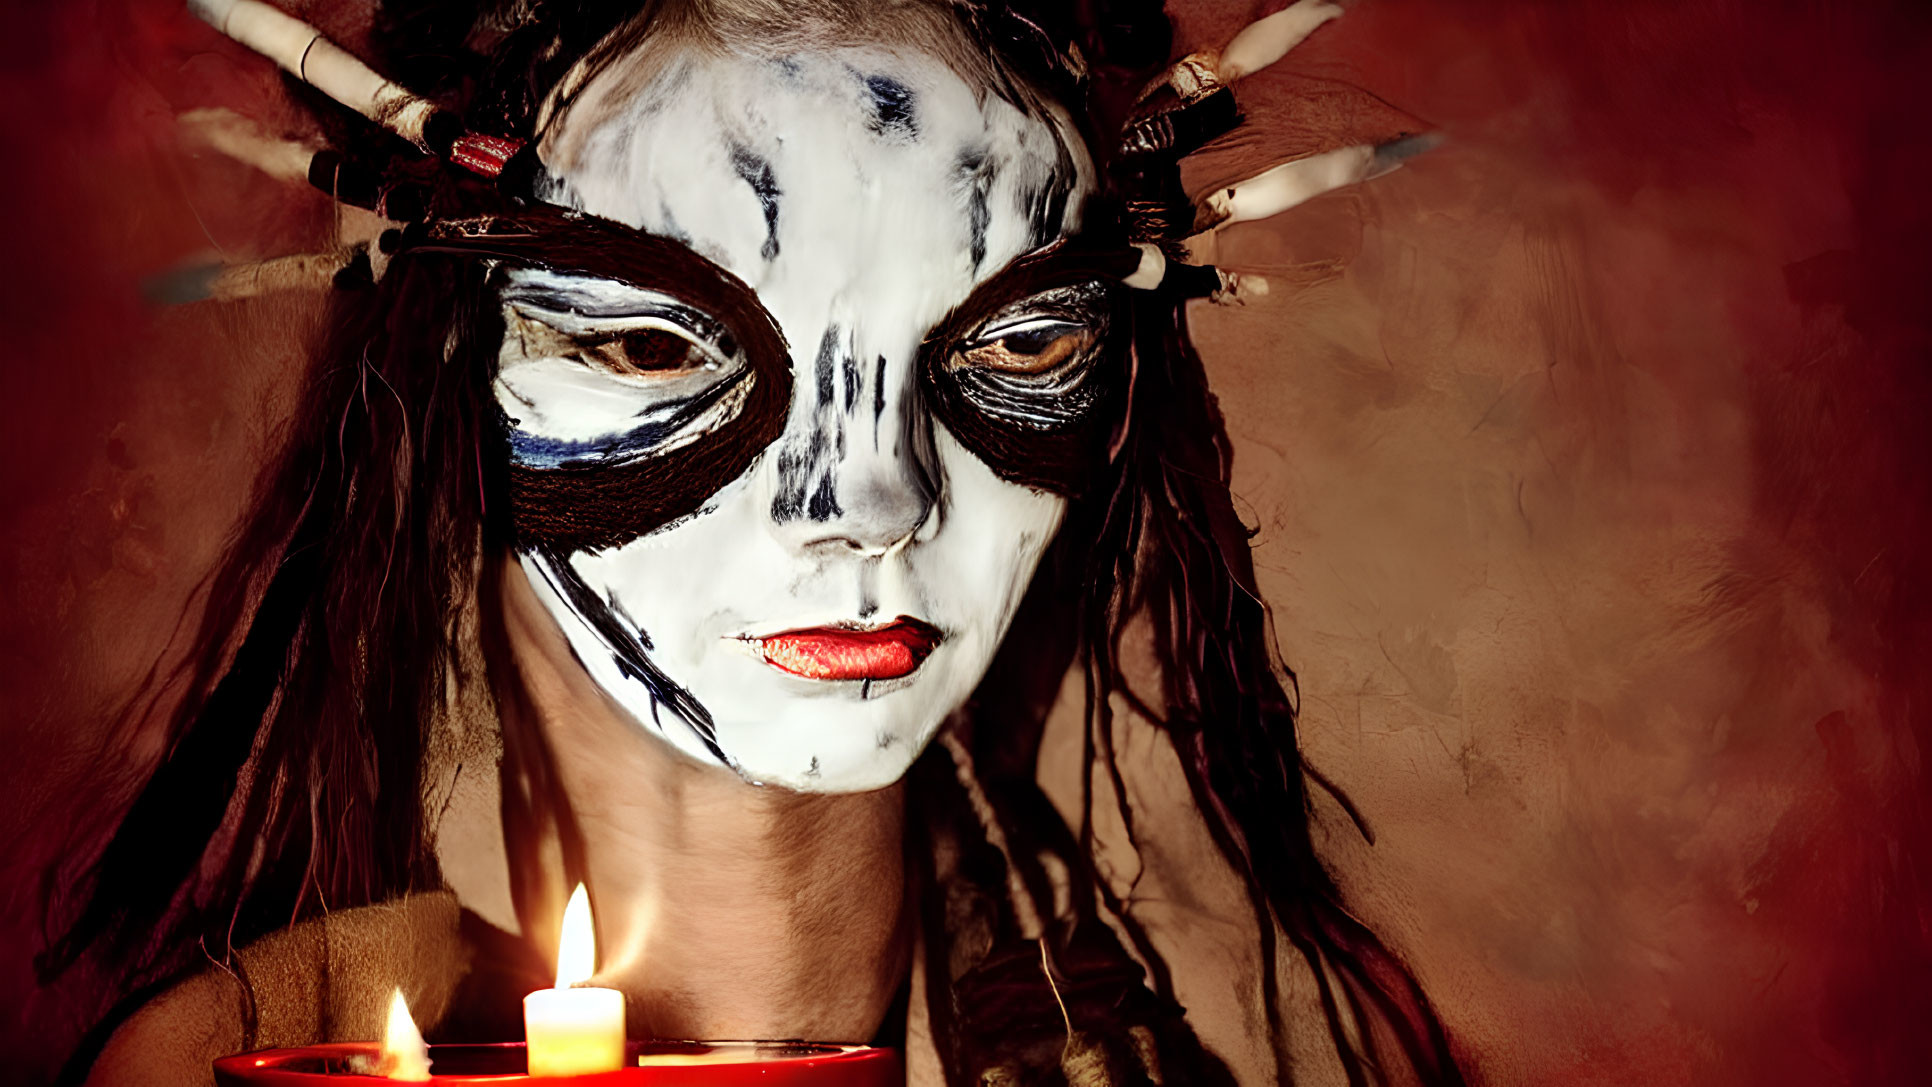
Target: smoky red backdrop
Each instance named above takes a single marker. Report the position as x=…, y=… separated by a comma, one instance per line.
x=1588, y=458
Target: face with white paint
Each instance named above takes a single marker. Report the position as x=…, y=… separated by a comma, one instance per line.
x=811, y=620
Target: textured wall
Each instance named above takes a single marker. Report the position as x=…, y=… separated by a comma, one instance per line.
x=1586, y=456
x=1590, y=480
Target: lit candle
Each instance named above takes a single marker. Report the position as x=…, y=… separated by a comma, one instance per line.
x=404, y=1056
x=574, y=1029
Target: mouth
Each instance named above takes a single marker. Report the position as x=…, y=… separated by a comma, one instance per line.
x=887, y=651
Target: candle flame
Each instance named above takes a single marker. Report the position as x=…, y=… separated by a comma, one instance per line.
x=577, y=944
x=404, y=1055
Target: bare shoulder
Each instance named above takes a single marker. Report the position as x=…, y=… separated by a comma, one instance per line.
x=323, y=980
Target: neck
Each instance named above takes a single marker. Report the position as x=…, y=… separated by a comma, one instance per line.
x=724, y=910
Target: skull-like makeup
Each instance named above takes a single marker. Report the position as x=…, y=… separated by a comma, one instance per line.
x=783, y=475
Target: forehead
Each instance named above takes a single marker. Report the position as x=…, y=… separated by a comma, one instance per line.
x=863, y=178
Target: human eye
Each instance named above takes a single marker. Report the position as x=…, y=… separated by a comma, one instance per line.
x=647, y=351
x=1046, y=336
x=638, y=336
x=597, y=371
x=1033, y=382
x=1031, y=346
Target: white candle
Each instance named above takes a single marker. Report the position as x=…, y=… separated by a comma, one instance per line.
x=575, y=1029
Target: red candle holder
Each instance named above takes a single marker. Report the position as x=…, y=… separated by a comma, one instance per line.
x=724, y=1064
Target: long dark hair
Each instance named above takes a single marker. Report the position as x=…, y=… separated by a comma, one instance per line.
x=292, y=778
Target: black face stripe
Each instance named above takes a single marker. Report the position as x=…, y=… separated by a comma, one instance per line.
x=757, y=173
x=822, y=453
x=788, y=501
x=805, y=484
x=597, y=506
x=893, y=106
x=1045, y=208
x=977, y=174
x=878, y=399
x=822, y=366
x=850, y=370
x=825, y=502
x=980, y=215
x=627, y=643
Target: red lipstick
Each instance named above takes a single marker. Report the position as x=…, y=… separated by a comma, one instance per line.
x=882, y=652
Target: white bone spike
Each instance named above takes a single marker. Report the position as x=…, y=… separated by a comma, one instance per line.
x=1287, y=185
x=234, y=282
x=1267, y=40
x=1256, y=46
x=302, y=50
x=1238, y=288
x=1153, y=265
x=241, y=139
x=303, y=272
x=1293, y=183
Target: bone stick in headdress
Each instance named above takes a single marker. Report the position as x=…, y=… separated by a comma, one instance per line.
x=1203, y=108
x=1267, y=40
x=1154, y=272
x=1258, y=45
x=1279, y=188
x=197, y=282
x=243, y=140
x=1290, y=184
x=304, y=52
x=1282, y=187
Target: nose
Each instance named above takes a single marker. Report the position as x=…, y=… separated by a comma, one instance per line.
x=855, y=468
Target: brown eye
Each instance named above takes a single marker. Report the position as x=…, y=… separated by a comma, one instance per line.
x=1033, y=349
x=650, y=352
x=644, y=351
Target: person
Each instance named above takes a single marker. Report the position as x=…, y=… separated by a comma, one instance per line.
x=705, y=497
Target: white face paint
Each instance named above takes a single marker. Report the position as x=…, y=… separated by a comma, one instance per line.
x=862, y=194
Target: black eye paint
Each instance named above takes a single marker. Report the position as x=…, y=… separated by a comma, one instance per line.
x=1048, y=430
x=976, y=175
x=610, y=451
x=892, y=110
x=757, y=173
x=603, y=503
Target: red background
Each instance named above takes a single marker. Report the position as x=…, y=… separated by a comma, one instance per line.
x=1588, y=455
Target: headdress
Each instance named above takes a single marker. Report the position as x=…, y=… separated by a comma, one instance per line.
x=438, y=165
